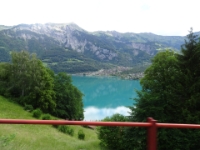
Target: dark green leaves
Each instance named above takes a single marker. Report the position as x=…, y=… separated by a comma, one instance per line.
x=28, y=82
x=170, y=93
x=68, y=98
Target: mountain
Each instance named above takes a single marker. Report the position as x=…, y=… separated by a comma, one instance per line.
x=2, y=27
x=69, y=48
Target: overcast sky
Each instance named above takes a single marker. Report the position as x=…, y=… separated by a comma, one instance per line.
x=163, y=17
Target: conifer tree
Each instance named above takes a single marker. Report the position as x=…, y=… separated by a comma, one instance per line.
x=189, y=62
x=170, y=93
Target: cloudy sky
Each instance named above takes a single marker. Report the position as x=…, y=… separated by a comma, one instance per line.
x=163, y=17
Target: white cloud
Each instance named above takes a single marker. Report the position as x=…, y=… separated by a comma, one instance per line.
x=96, y=114
x=165, y=17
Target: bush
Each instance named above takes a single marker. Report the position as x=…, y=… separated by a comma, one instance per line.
x=112, y=137
x=81, y=135
x=70, y=131
x=66, y=129
x=46, y=117
x=37, y=113
x=28, y=108
x=55, y=126
x=62, y=128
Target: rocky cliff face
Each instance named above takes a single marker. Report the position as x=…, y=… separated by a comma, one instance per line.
x=144, y=47
x=68, y=35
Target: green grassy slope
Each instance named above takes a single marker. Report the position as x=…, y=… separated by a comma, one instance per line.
x=39, y=137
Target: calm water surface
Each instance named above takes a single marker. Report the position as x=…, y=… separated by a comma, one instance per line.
x=105, y=96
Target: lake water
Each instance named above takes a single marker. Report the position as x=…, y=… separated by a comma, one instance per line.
x=105, y=96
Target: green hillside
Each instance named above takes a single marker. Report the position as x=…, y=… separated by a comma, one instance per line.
x=39, y=137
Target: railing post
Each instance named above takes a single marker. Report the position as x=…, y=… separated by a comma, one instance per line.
x=152, y=135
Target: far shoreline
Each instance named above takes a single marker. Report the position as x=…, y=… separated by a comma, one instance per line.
x=133, y=76
x=125, y=73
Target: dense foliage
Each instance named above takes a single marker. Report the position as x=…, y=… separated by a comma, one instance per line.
x=26, y=81
x=68, y=98
x=170, y=93
x=30, y=83
x=4, y=55
x=112, y=137
x=81, y=135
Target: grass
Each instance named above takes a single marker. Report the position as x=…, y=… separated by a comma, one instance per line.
x=39, y=137
x=54, y=63
x=74, y=60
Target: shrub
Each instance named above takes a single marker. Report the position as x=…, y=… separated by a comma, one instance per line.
x=55, y=126
x=63, y=128
x=37, y=113
x=66, y=129
x=112, y=137
x=28, y=108
x=70, y=131
x=81, y=135
x=46, y=117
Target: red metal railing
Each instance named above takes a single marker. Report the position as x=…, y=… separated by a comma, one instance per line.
x=151, y=124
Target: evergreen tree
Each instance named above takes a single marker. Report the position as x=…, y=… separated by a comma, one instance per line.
x=170, y=93
x=157, y=99
x=189, y=62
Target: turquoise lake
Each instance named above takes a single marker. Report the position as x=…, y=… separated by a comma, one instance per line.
x=105, y=96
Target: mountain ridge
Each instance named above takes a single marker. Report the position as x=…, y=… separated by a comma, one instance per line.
x=68, y=47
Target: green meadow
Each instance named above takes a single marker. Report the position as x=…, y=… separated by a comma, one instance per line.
x=39, y=137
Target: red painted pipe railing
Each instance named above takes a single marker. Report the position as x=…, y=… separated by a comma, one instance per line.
x=66, y=122
x=151, y=124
